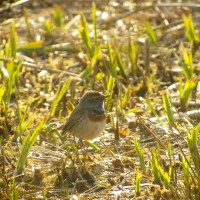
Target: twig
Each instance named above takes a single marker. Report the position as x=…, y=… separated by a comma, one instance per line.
x=32, y=65
x=190, y=104
x=18, y=3
x=195, y=114
x=141, y=123
x=147, y=57
x=125, y=15
x=195, y=5
x=114, y=19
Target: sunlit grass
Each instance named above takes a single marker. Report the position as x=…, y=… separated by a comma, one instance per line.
x=24, y=121
x=121, y=65
x=194, y=152
x=137, y=183
x=189, y=29
x=93, y=48
x=58, y=17
x=27, y=144
x=48, y=28
x=117, y=71
x=58, y=97
x=186, y=172
x=36, y=46
x=188, y=65
x=151, y=34
x=112, y=66
x=185, y=92
x=168, y=110
x=11, y=73
x=133, y=54
x=84, y=33
x=140, y=154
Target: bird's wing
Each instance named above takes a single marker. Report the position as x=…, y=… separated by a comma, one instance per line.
x=76, y=116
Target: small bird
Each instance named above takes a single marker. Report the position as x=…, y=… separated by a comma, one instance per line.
x=87, y=121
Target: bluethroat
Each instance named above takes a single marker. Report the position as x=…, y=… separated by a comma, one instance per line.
x=88, y=119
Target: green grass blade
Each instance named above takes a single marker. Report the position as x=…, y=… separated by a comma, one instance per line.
x=188, y=67
x=48, y=28
x=58, y=98
x=137, y=185
x=193, y=147
x=168, y=110
x=160, y=176
x=90, y=67
x=94, y=146
x=121, y=65
x=150, y=106
x=113, y=70
x=189, y=28
x=26, y=123
x=15, y=192
x=126, y=97
x=84, y=32
x=185, y=93
x=27, y=144
x=140, y=154
x=32, y=46
x=155, y=166
x=186, y=172
x=58, y=17
x=151, y=34
x=132, y=53
x=2, y=91
x=13, y=41
x=109, y=84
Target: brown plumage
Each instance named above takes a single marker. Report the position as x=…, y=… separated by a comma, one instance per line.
x=88, y=119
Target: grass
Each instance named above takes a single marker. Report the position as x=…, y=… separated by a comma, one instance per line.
x=140, y=154
x=27, y=144
x=189, y=29
x=151, y=34
x=169, y=110
x=188, y=65
x=185, y=93
x=149, y=149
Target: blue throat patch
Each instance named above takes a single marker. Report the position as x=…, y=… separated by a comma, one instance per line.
x=98, y=111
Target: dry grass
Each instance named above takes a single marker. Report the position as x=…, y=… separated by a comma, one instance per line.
x=144, y=54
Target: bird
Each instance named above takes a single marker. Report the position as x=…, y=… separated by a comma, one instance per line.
x=87, y=121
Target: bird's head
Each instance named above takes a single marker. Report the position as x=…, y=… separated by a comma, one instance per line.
x=93, y=99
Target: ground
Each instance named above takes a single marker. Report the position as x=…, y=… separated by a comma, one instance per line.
x=144, y=55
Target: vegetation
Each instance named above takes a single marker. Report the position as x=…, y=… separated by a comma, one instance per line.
x=149, y=66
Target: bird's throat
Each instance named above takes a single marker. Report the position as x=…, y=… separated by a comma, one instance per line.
x=98, y=111
x=97, y=114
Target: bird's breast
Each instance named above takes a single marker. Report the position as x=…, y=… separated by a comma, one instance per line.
x=96, y=117
x=90, y=127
